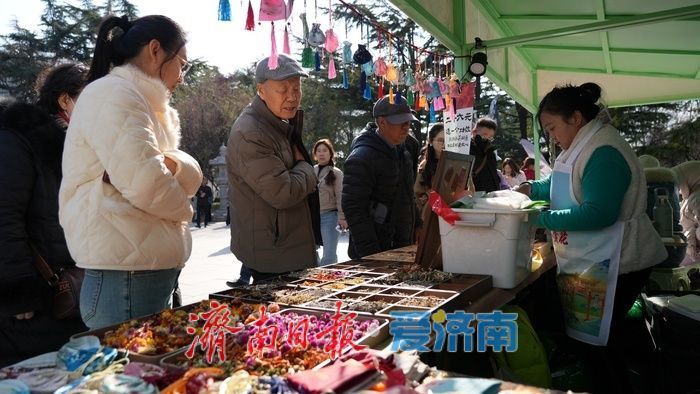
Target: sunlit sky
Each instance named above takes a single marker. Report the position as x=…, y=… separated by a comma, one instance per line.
x=224, y=44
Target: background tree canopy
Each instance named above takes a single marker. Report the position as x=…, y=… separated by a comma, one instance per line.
x=209, y=102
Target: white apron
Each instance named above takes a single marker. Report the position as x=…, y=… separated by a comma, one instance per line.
x=588, y=261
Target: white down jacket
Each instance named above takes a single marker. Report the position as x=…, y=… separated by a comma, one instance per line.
x=122, y=125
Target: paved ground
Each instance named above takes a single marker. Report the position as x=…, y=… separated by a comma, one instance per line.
x=212, y=263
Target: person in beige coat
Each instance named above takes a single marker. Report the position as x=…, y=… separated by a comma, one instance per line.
x=271, y=177
x=330, y=190
x=124, y=199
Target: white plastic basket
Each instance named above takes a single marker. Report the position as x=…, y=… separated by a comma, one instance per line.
x=489, y=242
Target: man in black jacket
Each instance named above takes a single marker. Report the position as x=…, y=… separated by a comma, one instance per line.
x=485, y=170
x=205, y=197
x=378, y=197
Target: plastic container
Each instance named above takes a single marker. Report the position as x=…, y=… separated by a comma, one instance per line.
x=489, y=242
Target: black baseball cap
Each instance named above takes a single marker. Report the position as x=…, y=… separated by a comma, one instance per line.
x=396, y=113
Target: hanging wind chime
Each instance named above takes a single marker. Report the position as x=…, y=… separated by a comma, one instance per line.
x=271, y=11
x=331, y=44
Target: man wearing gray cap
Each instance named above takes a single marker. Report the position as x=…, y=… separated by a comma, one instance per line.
x=378, y=199
x=271, y=177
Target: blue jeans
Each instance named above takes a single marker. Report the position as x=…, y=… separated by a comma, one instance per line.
x=329, y=221
x=108, y=297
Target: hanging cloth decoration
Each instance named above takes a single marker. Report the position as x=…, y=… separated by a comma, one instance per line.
x=409, y=79
x=435, y=87
x=316, y=36
x=363, y=81
x=409, y=97
x=444, y=90
x=392, y=75
x=275, y=10
x=380, y=67
x=271, y=11
x=331, y=45
x=250, y=20
x=438, y=103
x=347, y=52
x=433, y=117
x=368, y=68
x=224, y=10
x=362, y=55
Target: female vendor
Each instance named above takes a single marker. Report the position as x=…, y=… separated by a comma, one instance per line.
x=604, y=242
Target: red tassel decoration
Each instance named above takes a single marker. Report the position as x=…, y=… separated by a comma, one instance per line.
x=331, y=68
x=285, y=48
x=250, y=21
x=381, y=89
x=272, y=60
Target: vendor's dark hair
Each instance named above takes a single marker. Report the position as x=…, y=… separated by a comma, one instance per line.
x=330, y=178
x=429, y=155
x=566, y=99
x=119, y=40
x=69, y=78
x=529, y=161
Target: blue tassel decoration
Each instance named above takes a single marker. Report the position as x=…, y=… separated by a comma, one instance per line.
x=318, y=61
x=368, y=93
x=397, y=97
x=224, y=10
x=346, y=82
x=363, y=81
x=433, y=117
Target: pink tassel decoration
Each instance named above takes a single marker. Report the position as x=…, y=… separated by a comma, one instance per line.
x=272, y=60
x=331, y=68
x=286, y=49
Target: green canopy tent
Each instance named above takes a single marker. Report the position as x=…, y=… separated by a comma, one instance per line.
x=640, y=52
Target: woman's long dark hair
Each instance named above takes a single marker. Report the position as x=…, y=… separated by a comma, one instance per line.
x=511, y=163
x=429, y=155
x=530, y=161
x=68, y=78
x=330, y=178
x=119, y=40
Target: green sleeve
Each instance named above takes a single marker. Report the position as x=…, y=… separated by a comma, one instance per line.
x=606, y=178
x=540, y=189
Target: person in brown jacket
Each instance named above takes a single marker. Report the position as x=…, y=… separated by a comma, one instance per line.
x=271, y=178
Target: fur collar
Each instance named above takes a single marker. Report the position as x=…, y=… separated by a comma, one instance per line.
x=44, y=133
x=158, y=97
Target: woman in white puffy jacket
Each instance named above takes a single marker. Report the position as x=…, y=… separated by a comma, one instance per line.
x=124, y=199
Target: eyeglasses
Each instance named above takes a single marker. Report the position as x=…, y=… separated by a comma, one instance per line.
x=185, y=67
